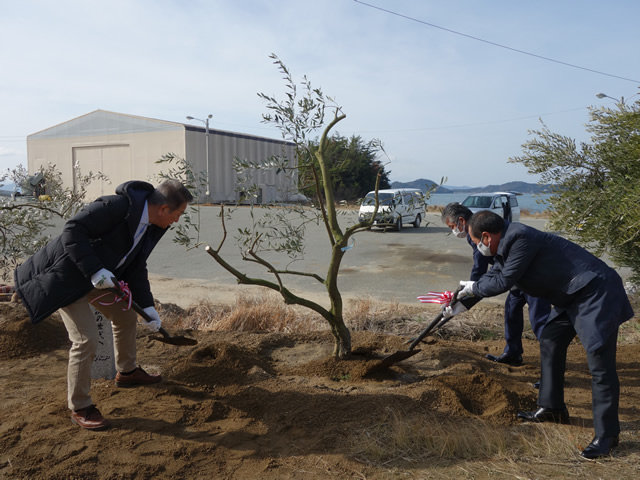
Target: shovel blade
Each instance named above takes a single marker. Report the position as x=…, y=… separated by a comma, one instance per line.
x=392, y=359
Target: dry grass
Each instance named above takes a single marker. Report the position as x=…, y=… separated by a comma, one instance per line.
x=525, y=212
x=403, y=440
x=250, y=313
x=425, y=445
x=366, y=314
x=629, y=332
x=438, y=446
x=268, y=313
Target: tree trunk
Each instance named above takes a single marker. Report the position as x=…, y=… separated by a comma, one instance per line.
x=342, y=347
x=342, y=336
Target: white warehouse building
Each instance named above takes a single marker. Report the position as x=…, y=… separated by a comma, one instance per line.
x=126, y=147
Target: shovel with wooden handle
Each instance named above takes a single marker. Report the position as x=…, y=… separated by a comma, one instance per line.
x=166, y=337
x=400, y=355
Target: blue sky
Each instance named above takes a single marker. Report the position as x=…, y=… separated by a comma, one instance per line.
x=443, y=104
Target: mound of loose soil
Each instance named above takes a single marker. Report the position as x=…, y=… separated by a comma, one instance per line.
x=269, y=405
x=19, y=338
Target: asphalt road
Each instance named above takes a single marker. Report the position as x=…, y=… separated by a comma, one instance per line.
x=386, y=266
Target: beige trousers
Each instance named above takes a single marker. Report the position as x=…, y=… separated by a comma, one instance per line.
x=83, y=333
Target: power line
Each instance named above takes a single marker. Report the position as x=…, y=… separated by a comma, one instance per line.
x=495, y=44
x=473, y=124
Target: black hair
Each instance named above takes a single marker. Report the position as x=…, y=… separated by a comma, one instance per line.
x=455, y=210
x=171, y=193
x=485, y=221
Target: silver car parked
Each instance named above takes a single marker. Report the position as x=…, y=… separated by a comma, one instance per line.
x=397, y=207
x=504, y=204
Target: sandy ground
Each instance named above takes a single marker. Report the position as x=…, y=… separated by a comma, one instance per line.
x=186, y=292
x=276, y=405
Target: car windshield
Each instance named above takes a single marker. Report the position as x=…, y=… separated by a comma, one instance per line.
x=475, y=201
x=384, y=198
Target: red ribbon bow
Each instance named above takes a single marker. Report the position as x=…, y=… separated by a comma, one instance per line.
x=125, y=297
x=442, y=298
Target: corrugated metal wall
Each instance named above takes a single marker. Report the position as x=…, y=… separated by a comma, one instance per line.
x=224, y=147
x=126, y=147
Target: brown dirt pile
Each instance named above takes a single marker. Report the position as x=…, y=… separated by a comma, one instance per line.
x=19, y=338
x=272, y=405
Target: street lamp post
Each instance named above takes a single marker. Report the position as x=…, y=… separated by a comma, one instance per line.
x=620, y=101
x=206, y=149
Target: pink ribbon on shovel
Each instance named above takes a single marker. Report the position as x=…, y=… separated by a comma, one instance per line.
x=126, y=296
x=442, y=298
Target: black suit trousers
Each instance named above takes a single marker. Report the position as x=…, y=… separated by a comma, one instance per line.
x=605, y=386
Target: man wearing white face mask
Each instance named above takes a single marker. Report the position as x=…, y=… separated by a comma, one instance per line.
x=456, y=217
x=589, y=301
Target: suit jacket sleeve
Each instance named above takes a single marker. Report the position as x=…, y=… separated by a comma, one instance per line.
x=513, y=259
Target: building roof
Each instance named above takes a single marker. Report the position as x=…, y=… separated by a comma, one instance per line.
x=103, y=122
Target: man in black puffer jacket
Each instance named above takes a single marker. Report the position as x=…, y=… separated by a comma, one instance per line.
x=111, y=237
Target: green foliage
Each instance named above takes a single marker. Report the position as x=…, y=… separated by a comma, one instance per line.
x=596, y=190
x=322, y=163
x=24, y=220
x=277, y=228
x=187, y=231
x=248, y=172
x=353, y=166
x=297, y=116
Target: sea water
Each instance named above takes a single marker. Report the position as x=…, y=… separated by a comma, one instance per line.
x=534, y=202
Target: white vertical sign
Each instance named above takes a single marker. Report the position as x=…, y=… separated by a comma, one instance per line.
x=104, y=363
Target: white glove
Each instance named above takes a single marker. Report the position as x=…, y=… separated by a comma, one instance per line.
x=449, y=311
x=155, y=323
x=467, y=289
x=102, y=279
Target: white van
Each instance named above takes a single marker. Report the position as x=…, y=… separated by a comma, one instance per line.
x=397, y=207
x=504, y=204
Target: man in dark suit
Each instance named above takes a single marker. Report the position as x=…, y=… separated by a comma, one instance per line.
x=111, y=237
x=589, y=300
x=456, y=217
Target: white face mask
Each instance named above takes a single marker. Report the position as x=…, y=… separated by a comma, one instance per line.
x=484, y=249
x=457, y=232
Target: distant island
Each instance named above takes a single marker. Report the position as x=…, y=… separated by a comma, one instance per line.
x=521, y=187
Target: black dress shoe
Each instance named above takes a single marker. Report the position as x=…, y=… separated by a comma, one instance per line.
x=507, y=359
x=600, y=447
x=555, y=415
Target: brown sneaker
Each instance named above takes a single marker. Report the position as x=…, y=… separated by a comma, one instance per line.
x=137, y=378
x=89, y=418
